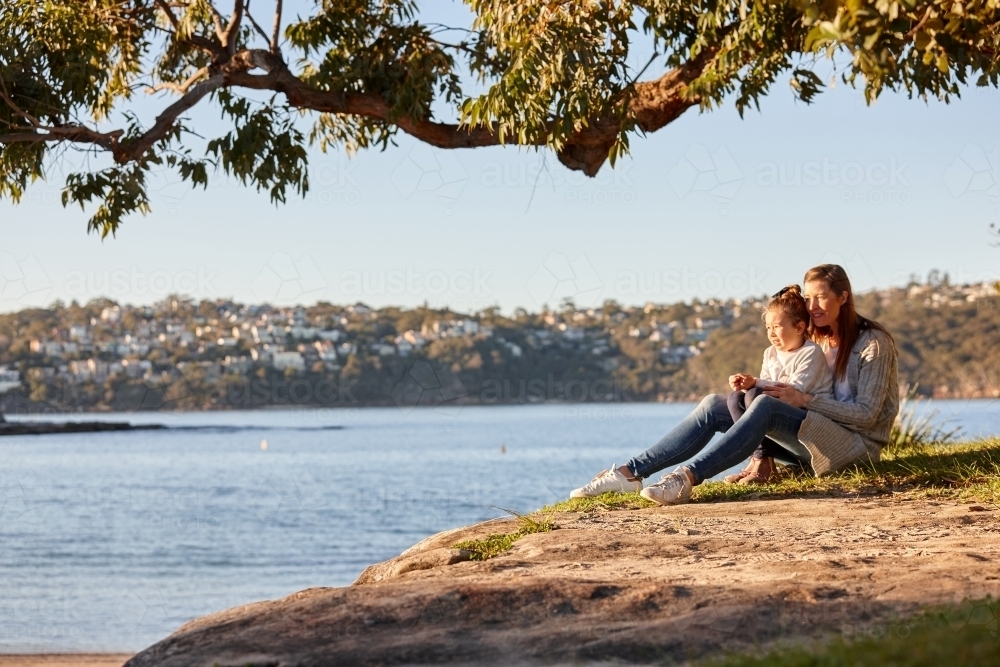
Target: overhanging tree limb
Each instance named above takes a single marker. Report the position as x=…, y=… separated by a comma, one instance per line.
x=554, y=75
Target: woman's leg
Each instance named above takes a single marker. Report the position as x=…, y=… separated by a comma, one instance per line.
x=765, y=416
x=686, y=439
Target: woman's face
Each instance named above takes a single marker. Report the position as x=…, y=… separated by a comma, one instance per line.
x=824, y=305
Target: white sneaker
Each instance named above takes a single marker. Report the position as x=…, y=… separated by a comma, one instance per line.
x=672, y=489
x=607, y=480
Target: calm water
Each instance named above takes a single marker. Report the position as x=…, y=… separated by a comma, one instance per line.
x=108, y=542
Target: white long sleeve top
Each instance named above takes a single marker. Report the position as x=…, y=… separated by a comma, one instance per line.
x=805, y=368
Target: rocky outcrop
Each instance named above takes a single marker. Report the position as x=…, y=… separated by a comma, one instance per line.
x=55, y=428
x=638, y=586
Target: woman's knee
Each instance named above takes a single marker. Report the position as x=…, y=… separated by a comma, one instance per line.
x=714, y=401
x=763, y=402
x=714, y=408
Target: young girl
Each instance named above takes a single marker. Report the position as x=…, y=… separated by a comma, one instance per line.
x=792, y=359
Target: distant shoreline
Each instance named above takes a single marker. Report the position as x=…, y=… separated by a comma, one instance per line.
x=52, y=412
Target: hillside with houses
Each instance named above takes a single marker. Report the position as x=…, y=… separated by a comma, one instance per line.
x=181, y=355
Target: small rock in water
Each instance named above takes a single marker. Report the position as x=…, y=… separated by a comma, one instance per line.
x=503, y=449
x=263, y=445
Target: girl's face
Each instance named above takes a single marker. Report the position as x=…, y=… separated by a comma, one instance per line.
x=824, y=305
x=782, y=333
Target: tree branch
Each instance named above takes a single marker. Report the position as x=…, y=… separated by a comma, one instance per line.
x=651, y=105
x=220, y=31
x=256, y=26
x=75, y=133
x=135, y=148
x=229, y=40
x=179, y=88
x=169, y=13
x=277, y=27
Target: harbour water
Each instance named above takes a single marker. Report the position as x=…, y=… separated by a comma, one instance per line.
x=110, y=541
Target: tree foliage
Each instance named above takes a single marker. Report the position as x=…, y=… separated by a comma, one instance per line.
x=553, y=74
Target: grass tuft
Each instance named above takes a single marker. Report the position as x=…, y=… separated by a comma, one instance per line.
x=497, y=543
x=911, y=432
x=605, y=502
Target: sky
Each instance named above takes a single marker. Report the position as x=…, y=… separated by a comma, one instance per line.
x=713, y=205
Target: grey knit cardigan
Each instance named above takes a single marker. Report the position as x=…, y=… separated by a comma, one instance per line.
x=839, y=434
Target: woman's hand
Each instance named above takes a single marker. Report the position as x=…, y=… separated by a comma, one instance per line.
x=788, y=394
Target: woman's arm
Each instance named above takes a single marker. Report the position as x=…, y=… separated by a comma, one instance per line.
x=878, y=362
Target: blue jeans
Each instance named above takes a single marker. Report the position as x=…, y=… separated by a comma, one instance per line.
x=738, y=402
x=766, y=417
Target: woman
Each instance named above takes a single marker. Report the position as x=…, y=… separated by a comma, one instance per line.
x=822, y=434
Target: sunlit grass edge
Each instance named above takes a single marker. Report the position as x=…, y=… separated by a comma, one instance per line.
x=497, y=543
x=963, y=471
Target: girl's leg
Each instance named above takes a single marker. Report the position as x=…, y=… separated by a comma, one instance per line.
x=736, y=404
x=767, y=446
x=686, y=439
x=765, y=416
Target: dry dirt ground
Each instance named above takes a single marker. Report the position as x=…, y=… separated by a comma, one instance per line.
x=656, y=585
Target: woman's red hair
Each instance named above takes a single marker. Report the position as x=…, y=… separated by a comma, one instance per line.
x=849, y=323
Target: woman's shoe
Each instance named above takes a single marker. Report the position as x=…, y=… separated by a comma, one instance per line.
x=751, y=469
x=765, y=472
x=672, y=489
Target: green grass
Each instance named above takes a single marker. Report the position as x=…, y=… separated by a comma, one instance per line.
x=966, y=471
x=914, y=431
x=606, y=502
x=963, y=635
x=497, y=543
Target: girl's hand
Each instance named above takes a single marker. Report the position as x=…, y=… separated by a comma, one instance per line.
x=741, y=381
x=788, y=394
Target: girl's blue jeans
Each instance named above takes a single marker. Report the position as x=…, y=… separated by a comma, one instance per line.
x=690, y=440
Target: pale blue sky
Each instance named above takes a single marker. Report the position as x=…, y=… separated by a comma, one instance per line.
x=712, y=205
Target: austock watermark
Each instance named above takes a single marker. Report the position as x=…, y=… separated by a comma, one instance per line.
x=23, y=281
x=326, y=392
x=334, y=182
x=975, y=170
x=710, y=172
x=876, y=182
x=687, y=283
x=608, y=187
x=140, y=283
x=428, y=172
x=461, y=289
x=430, y=385
x=559, y=278
x=550, y=389
x=284, y=278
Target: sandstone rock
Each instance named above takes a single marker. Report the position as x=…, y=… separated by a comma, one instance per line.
x=664, y=584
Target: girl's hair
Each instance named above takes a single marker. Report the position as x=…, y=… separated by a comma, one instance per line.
x=790, y=302
x=849, y=323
